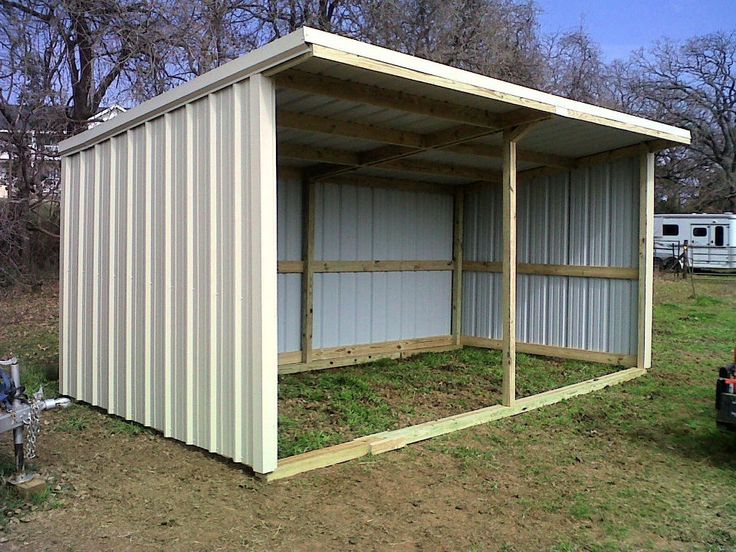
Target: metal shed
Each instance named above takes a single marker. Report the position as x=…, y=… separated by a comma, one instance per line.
x=321, y=202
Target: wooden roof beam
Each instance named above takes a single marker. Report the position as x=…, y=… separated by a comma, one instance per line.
x=650, y=146
x=353, y=159
x=400, y=101
x=519, y=119
x=387, y=135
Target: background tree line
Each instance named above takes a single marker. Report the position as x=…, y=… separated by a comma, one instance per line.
x=62, y=61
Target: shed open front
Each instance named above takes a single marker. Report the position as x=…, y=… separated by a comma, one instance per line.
x=381, y=205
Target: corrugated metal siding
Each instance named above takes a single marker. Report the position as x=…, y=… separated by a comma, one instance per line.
x=165, y=304
x=360, y=223
x=589, y=217
x=290, y=230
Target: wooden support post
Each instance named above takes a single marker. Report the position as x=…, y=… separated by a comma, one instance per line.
x=509, y=269
x=308, y=274
x=457, y=257
x=646, y=259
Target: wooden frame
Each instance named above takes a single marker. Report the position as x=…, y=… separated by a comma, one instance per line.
x=388, y=135
x=307, y=266
x=335, y=357
x=578, y=271
x=508, y=269
x=308, y=359
x=386, y=441
x=457, y=257
x=553, y=351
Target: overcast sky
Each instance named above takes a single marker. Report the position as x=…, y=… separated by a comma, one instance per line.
x=621, y=26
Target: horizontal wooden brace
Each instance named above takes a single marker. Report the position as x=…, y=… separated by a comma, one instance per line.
x=382, y=266
x=525, y=156
x=393, y=183
x=335, y=357
x=288, y=267
x=553, y=351
x=383, y=347
x=579, y=271
x=386, y=441
x=411, y=185
x=347, y=129
x=291, y=357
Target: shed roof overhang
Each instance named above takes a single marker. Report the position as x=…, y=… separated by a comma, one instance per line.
x=345, y=106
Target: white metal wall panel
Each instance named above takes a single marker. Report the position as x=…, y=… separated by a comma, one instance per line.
x=589, y=217
x=290, y=229
x=481, y=304
x=362, y=223
x=482, y=235
x=169, y=256
x=352, y=308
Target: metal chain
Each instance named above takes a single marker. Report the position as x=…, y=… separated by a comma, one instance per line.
x=33, y=427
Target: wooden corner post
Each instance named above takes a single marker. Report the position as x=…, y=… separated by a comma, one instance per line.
x=509, y=268
x=646, y=259
x=308, y=191
x=457, y=274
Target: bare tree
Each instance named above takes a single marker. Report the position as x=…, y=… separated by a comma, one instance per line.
x=276, y=18
x=693, y=85
x=493, y=37
x=575, y=67
x=58, y=61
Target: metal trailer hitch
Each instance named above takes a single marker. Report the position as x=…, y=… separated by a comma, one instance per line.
x=22, y=415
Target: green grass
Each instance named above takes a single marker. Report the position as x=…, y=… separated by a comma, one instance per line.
x=319, y=409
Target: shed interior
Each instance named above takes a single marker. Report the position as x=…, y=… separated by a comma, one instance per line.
x=391, y=231
x=390, y=223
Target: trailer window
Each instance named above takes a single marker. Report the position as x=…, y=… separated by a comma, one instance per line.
x=670, y=229
x=700, y=232
x=719, y=235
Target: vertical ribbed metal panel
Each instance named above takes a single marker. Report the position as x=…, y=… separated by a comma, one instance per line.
x=587, y=217
x=482, y=242
x=290, y=230
x=483, y=225
x=361, y=223
x=168, y=252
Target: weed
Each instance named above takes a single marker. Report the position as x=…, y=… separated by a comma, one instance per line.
x=72, y=423
x=119, y=426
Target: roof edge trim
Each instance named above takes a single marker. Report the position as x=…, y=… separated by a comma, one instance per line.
x=259, y=60
x=359, y=54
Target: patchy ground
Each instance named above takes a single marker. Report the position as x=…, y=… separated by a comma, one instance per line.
x=635, y=467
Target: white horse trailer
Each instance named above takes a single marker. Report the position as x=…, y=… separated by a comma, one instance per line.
x=710, y=238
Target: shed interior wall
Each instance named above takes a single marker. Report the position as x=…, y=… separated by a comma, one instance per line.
x=358, y=223
x=585, y=219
